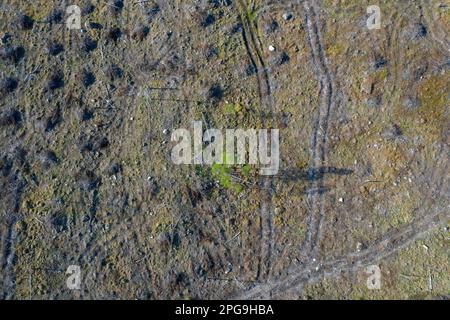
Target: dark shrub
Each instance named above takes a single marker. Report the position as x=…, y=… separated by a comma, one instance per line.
x=55, y=48
x=56, y=81
x=115, y=6
x=89, y=44
x=10, y=117
x=88, y=8
x=140, y=33
x=95, y=25
x=88, y=79
x=87, y=180
x=216, y=92
x=114, y=34
x=9, y=85
x=26, y=22
x=208, y=20
x=55, y=16
x=12, y=53
x=114, y=72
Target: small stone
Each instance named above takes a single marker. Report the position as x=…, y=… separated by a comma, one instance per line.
x=359, y=246
x=341, y=199
x=271, y=48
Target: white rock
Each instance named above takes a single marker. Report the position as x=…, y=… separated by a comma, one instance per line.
x=271, y=48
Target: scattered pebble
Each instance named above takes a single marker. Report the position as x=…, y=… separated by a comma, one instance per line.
x=271, y=48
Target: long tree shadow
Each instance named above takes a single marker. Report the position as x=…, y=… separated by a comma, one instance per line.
x=313, y=174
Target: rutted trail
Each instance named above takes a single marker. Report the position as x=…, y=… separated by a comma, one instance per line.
x=266, y=103
x=383, y=248
x=429, y=217
x=319, y=138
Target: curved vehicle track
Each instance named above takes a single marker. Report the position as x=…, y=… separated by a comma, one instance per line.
x=254, y=52
x=385, y=246
x=319, y=138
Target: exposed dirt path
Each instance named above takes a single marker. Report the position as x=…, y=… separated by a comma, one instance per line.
x=437, y=33
x=387, y=245
x=8, y=237
x=383, y=248
x=254, y=52
x=319, y=138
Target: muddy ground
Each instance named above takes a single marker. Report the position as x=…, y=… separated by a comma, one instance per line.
x=85, y=150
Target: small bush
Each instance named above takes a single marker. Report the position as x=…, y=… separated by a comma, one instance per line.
x=25, y=22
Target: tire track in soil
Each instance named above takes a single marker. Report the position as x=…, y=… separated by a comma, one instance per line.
x=319, y=138
x=387, y=245
x=384, y=248
x=7, y=258
x=252, y=45
x=438, y=34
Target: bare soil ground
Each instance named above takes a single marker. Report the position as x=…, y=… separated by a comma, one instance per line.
x=86, y=176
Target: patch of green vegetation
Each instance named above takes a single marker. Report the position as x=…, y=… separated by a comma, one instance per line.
x=232, y=108
x=222, y=172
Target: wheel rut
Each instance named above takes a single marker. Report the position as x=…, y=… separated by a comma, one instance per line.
x=252, y=45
